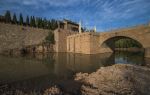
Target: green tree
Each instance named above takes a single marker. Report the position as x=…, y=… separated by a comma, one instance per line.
x=45, y=23
x=41, y=23
x=49, y=24
x=50, y=38
x=21, y=19
x=14, y=19
x=54, y=24
x=36, y=22
x=7, y=17
x=127, y=43
x=33, y=22
x=27, y=21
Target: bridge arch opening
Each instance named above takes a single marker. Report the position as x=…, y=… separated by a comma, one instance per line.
x=122, y=43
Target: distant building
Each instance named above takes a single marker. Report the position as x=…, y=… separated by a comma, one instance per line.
x=69, y=25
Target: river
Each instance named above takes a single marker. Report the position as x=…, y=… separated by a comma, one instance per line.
x=36, y=73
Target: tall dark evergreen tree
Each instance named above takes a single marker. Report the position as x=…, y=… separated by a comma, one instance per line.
x=7, y=17
x=27, y=21
x=33, y=21
x=49, y=24
x=14, y=19
x=40, y=23
x=36, y=22
x=21, y=19
x=45, y=23
x=30, y=21
x=54, y=24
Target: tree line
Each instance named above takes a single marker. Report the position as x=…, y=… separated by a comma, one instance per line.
x=127, y=43
x=31, y=21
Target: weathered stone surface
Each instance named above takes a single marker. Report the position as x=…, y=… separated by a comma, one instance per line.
x=15, y=36
x=147, y=52
x=116, y=80
x=60, y=36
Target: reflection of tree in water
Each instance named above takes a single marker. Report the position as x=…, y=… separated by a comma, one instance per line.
x=106, y=59
x=130, y=57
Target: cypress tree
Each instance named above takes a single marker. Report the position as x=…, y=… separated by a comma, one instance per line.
x=33, y=21
x=14, y=19
x=54, y=24
x=36, y=22
x=7, y=17
x=27, y=21
x=21, y=19
x=49, y=24
x=45, y=23
x=40, y=23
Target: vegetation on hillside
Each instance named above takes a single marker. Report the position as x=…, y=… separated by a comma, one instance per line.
x=31, y=21
x=50, y=38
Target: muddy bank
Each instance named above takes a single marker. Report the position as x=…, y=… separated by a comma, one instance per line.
x=116, y=80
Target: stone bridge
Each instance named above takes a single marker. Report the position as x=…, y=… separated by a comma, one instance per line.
x=100, y=42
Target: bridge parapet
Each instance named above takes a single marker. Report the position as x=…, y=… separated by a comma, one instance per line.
x=129, y=28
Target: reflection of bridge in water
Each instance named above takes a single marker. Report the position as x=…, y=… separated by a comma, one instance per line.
x=54, y=66
x=39, y=71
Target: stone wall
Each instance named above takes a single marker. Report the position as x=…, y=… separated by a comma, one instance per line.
x=60, y=36
x=40, y=48
x=17, y=37
x=147, y=52
x=86, y=43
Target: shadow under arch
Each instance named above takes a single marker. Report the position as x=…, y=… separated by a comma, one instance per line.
x=110, y=42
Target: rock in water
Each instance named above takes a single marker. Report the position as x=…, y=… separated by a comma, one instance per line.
x=119, y=79
x=53, y=91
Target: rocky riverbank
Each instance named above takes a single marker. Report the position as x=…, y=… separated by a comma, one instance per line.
x=119, y=79
x=116, y=80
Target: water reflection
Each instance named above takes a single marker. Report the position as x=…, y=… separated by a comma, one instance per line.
x=38, y=72
x=124, y=57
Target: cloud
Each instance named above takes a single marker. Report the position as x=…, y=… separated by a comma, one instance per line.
x=40, y=3
x=125, y=9
x=105, y=14
x=114, y=11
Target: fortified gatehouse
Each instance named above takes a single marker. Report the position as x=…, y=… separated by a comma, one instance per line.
x=65, y=29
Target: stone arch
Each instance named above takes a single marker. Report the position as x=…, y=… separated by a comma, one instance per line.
x=109, y=42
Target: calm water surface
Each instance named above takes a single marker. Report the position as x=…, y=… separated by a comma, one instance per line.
x=36, y=73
